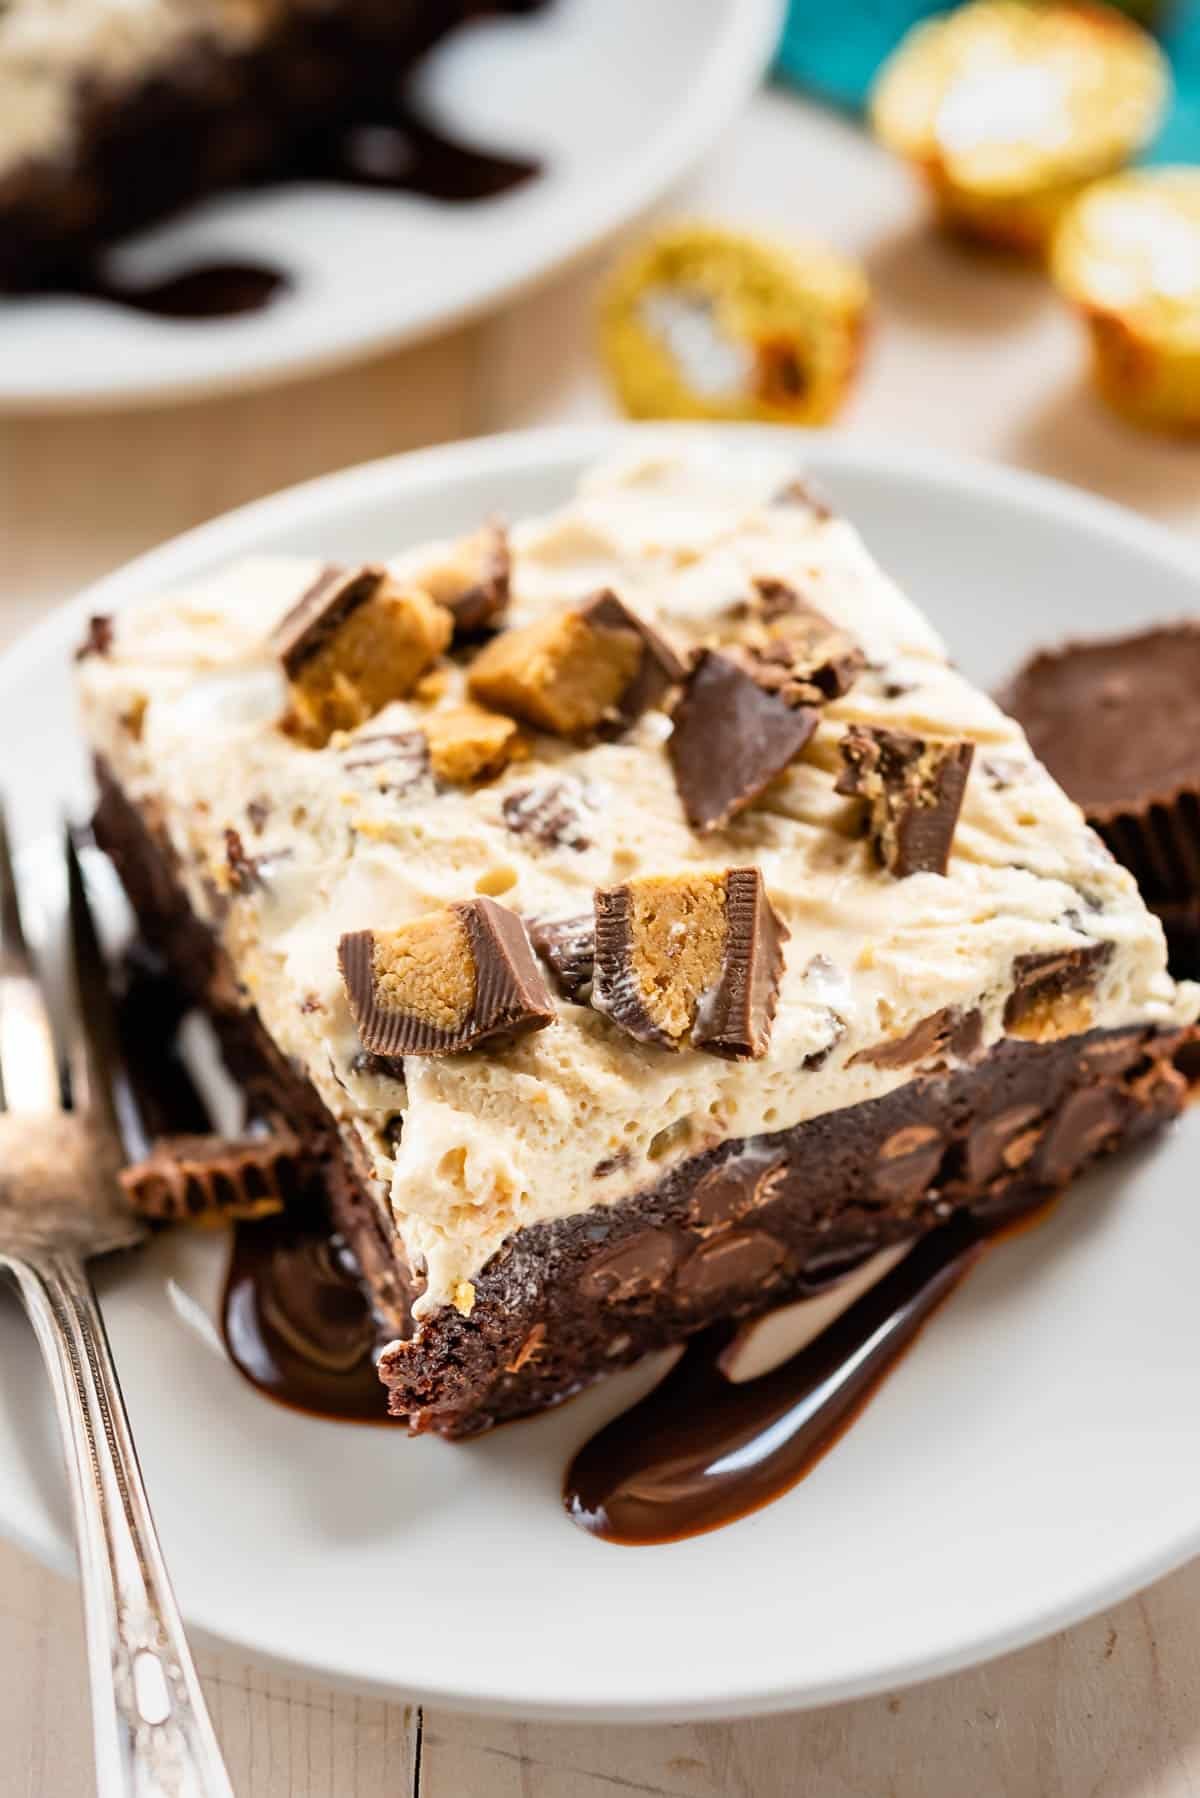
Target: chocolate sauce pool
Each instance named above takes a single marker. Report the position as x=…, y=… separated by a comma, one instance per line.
x=295, y=1321
x=396, y=150
x=699, y=1451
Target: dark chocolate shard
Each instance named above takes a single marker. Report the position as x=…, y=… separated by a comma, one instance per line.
x=568, y=947
x=734, y=1018
x=391, y=761
x=690, y=959
x=480, y=605
x=99, y=638
x=550, y=812
x=321, y=608
x=913, y=787
x=443, y=982
x=731, y=739
x=1045, y=983
x=214, y=1176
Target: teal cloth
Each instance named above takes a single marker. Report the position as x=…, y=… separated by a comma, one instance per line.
x=835, y=51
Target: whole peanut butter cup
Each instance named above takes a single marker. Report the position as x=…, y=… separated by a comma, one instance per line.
x=1117, y=723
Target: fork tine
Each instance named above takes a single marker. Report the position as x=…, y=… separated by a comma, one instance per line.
x=100, y=1081
x=28, y=1061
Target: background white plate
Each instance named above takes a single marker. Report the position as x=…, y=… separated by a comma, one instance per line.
x=617, y=96
x=1035, y=1457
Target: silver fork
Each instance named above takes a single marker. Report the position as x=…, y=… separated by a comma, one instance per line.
x=60, y=1205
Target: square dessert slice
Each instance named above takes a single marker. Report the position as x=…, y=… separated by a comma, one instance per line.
x=635, y=950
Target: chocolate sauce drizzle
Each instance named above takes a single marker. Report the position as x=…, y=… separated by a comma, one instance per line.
x=699, y=1451
x=395, y=150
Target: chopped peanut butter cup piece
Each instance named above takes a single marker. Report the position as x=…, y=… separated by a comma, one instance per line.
x=1050, y=995
x=355, y=640
x=473, y=582
x=914, y=791
x=568, y=948
x=790, y=647
x=469, y=744
x=443, y=982
x=575, y=672
x=213, y=1177
x=731, y=738
x=690, y=959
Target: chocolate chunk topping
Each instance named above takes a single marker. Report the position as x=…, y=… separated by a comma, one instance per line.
x=568, y=947
x=690, y=958
x=596, y=667
x=1048, y=997
x=206, y=1176
x=914, y=791
x=99, y=638
x=731, y=738
x=443, y=982
x=320, y=610
x=550, y=813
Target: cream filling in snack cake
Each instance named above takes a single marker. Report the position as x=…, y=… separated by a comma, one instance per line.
x=629, y=917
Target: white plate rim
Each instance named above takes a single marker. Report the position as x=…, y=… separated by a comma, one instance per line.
x=568, y=447
x=737, y=60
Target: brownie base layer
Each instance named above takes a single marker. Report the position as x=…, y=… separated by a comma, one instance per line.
x=744, y=1227
x=209, y=120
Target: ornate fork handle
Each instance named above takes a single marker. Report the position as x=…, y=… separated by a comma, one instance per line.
x=153, y=1736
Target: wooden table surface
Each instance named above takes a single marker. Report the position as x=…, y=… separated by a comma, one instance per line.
x=968, y=355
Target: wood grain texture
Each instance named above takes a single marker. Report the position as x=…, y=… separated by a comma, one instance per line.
x=969, y=356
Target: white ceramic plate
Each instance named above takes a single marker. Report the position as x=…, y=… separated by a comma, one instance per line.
x=617, y=97
x=1034, y=1457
